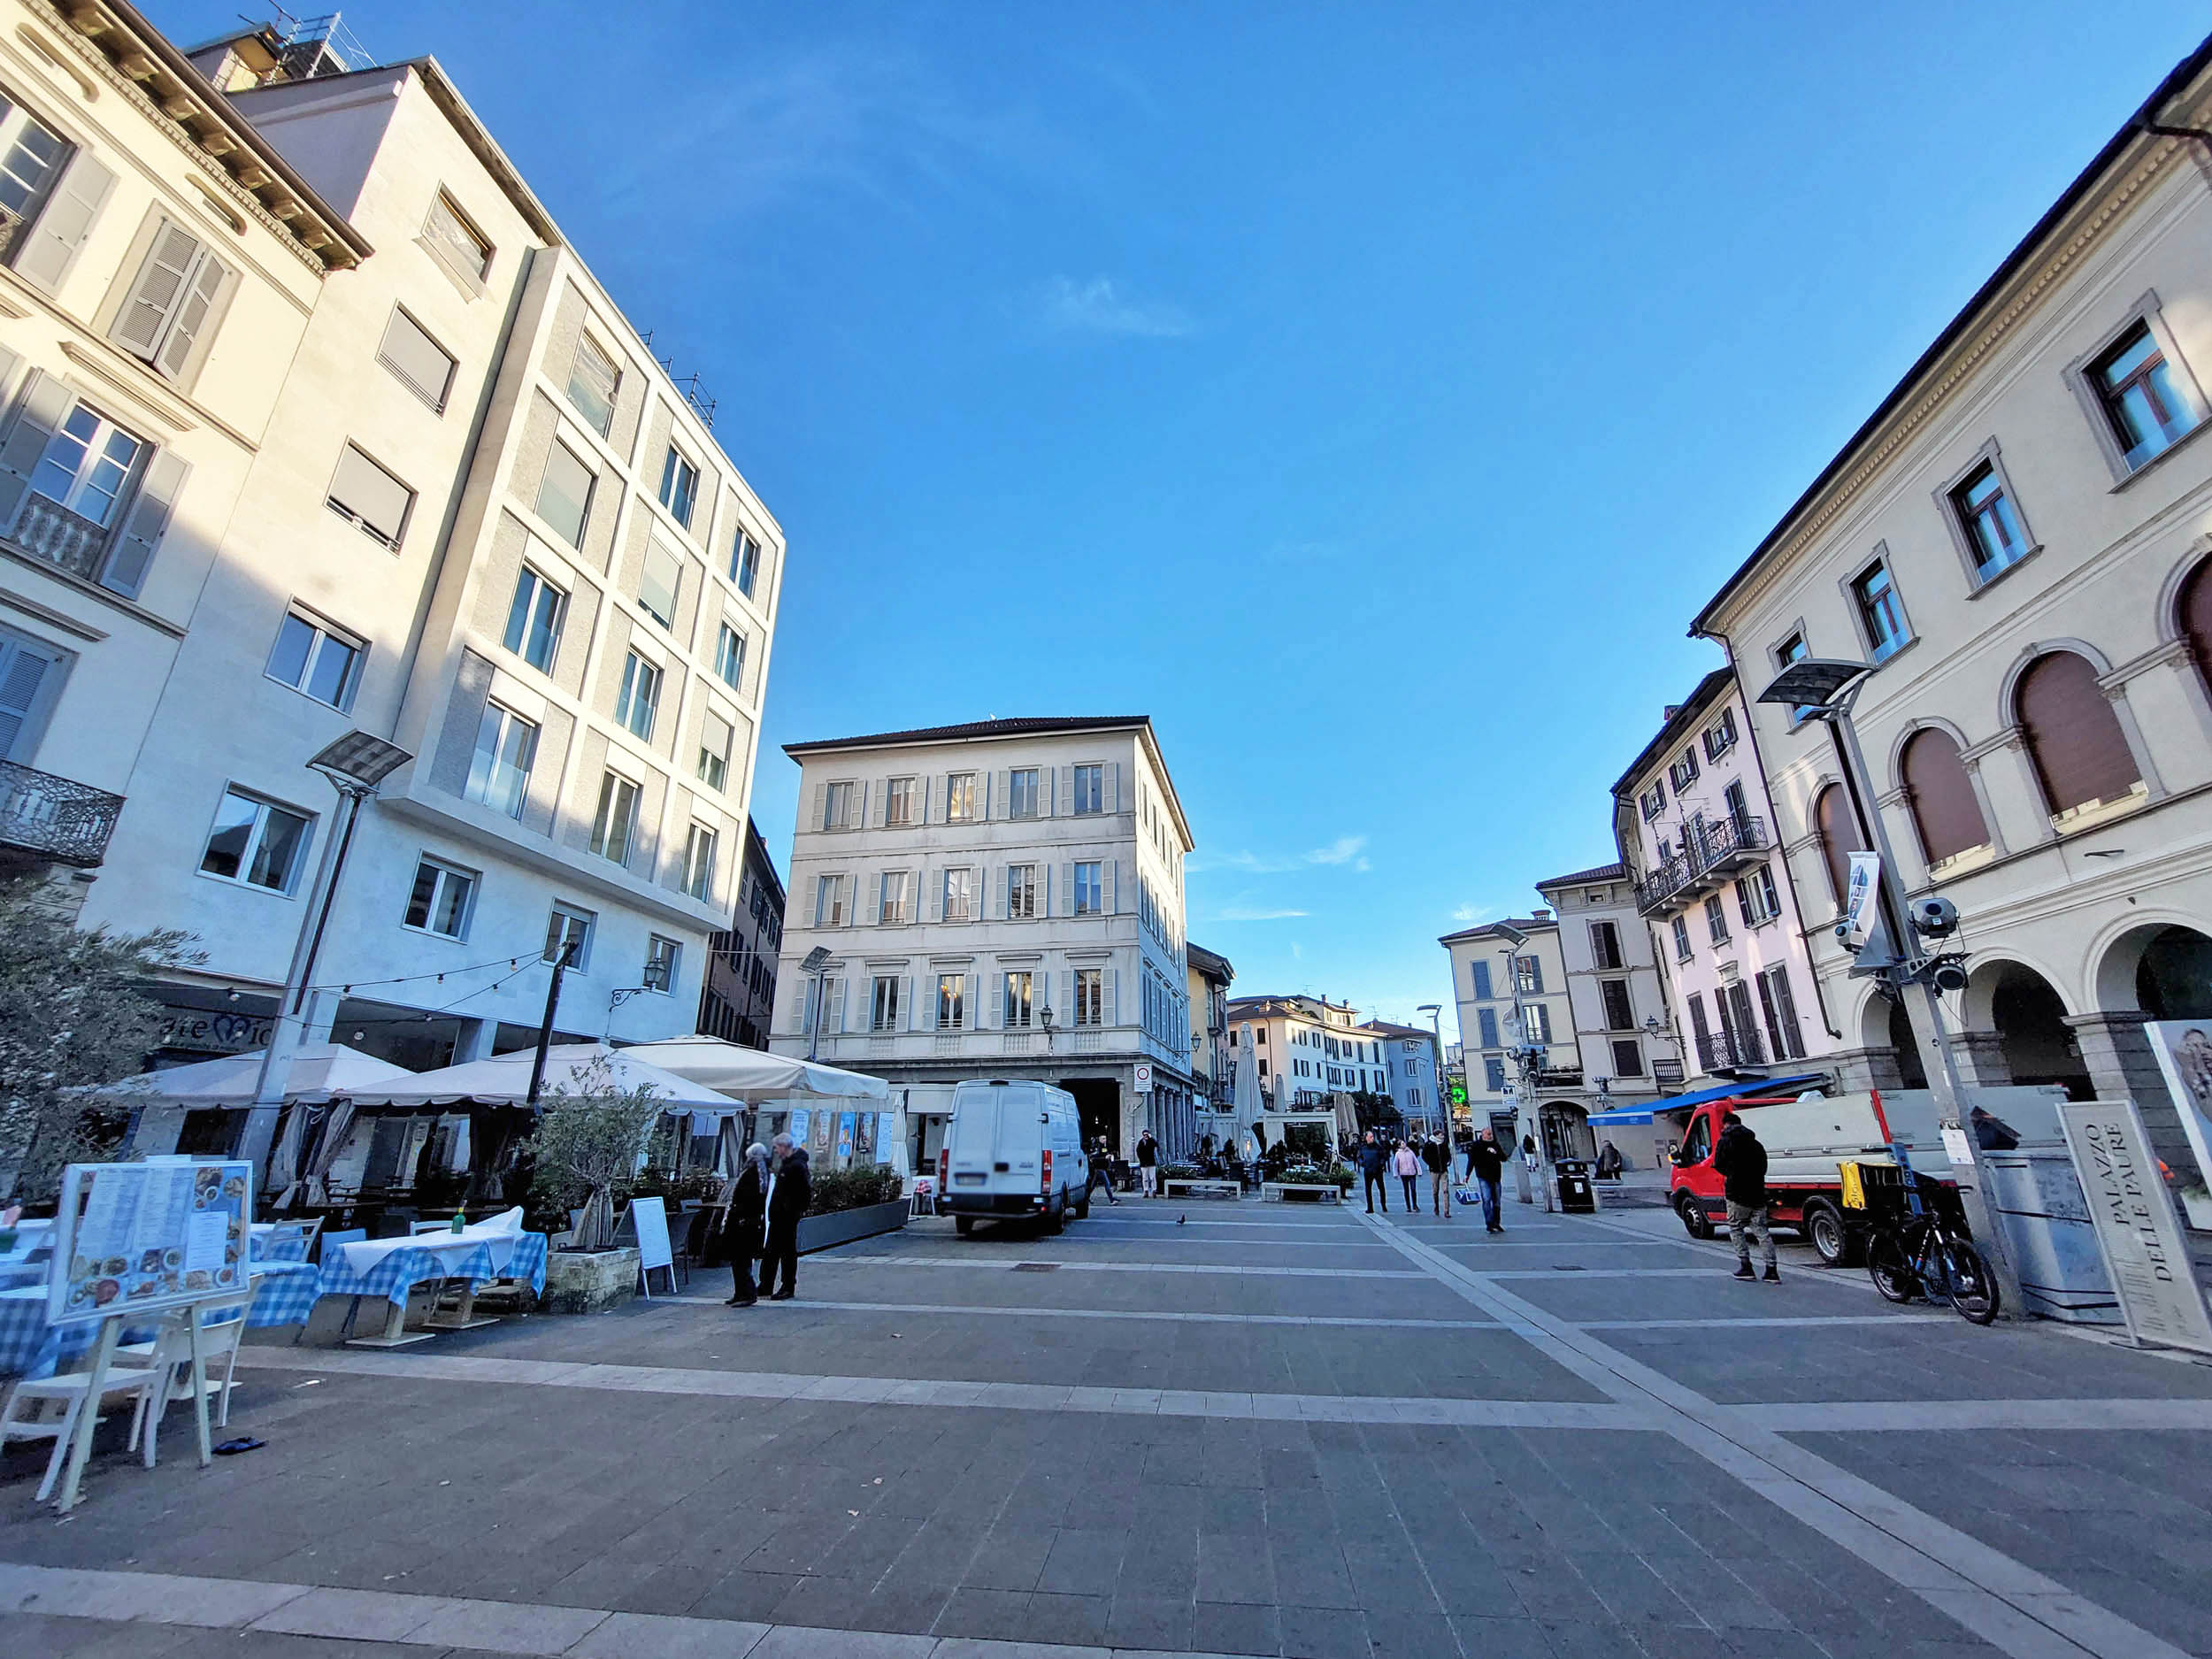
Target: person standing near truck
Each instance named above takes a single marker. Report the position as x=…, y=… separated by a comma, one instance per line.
x=1741, y=1163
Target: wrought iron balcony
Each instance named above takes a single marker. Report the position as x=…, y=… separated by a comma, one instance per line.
x=59, y=537
x=1710, y=853
x=55, y=817
x=1726, y=1050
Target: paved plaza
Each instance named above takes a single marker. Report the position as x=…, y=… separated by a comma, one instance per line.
x=1273, y=1430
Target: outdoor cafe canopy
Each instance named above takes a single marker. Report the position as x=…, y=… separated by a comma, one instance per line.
x=319, y=1071
x=749, y=1076
x=504, y=1081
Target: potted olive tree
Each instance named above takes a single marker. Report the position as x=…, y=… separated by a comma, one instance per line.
x=584, y=1150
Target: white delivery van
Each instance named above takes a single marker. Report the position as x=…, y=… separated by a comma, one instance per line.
x=1013, y=1149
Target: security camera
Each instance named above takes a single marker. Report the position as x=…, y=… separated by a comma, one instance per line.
x=1935, y=915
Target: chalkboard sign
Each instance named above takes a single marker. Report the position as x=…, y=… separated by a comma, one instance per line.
x=651, y=1218
x=132, y=1238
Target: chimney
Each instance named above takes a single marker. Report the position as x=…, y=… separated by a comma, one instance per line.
x=1541, y=916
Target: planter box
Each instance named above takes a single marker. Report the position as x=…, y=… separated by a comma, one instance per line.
x=843, y=1226
x=1302, y=1192
x=1197, y=1187
x=578, y=1282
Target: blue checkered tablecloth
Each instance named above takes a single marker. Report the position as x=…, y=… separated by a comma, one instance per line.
x=392, y=1278
x=29, y=1346
x=286, y=1294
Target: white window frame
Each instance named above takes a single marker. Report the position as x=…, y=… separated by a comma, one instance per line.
x=553, y=450
x=663, y=965
x=518, y=640
x=105, y=427
x=353, y=518
x=629, y=698
x=611, y=783
x=436, y=400
x=960, y=798
x=966, y=883
x=656, y=548
x=478, y=787
x=13, y=118
x=957, y=984
x=1090, y=997
x=899, y=795
x=893, y=908
x=837, y=808
x=254, y=836
x=1035, y=774
x=561, y=912
x=745, y=563
x=320, y=633
x=673, y=470
x=584, y=342
x=708, y=719
x=449, y=251
x=701, y=844
x=1093, y=773
x=837, y=912
x=1088, y=897
x=883, y=1001
x=729, y=664
x=1021, y=882
x=448, y=872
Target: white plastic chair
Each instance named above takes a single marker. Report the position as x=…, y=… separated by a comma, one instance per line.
x=219, y=1353
x=57, y=1402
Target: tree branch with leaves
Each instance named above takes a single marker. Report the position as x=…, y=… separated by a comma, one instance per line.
x=587, y=1143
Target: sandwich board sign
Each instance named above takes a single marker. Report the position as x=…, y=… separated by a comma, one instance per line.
x=2141, y=1242
x=651, y=1217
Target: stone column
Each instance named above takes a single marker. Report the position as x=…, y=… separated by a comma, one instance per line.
x=1981, y=1059
x=1858, y=1069
x=475, y=1041
x=2122, y=1066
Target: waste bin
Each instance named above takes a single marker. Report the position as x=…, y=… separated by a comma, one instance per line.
x=1575, y=1196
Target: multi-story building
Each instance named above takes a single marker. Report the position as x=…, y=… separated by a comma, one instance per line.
x=1613, y=986
x=739, y=998
x=477, y=519
x=1412, y=1071
x=159, y=262
x=1211, y=1050
x=998, y=899
x=2019, y=540
x=1310, y=1052
x=1517, y=1022
x=1697, y=834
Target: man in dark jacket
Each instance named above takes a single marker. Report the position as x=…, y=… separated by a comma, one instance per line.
x=790, y=1191
x=1741, y=1163
x=1486, y=1161
x=742, y=1206
x=1374, y=1163
x=1437, y=1156
x=1148, y=1164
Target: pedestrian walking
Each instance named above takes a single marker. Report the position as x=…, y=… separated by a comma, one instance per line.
x=1486, y=1165
x=1407, y=1162
x=1373, y=1160
x=1741, y=1163
x=743, y=1213
x=790, y=1191
x=1437, y=1156
x=1101, y=1173
x=1148, y=1164
x=1466, y=1145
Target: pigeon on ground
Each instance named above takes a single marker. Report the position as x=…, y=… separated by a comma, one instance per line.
x=1180, y=1220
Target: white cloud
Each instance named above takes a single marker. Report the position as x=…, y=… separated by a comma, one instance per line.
x=1240, y=914
x=1472, y=913
x=1346, y=850
x=1099, y=307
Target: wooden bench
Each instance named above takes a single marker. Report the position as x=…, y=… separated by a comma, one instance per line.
x=1302, y=1192
x=1199, y=1188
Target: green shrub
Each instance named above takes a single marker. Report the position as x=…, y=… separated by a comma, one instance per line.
x=853, y=1189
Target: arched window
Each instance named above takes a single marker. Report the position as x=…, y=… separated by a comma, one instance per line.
x=2194, y=613
x=1940, y=796
x=2074, y=738
x=1839, y=832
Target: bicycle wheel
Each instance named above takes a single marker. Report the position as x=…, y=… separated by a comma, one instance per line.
x=1890, y=1268
x=1972, y=1285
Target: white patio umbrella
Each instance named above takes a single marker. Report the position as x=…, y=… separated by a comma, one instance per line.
x=1245, y=1098
x=504, y=1081
x=319, y=1071
x=750, y=1076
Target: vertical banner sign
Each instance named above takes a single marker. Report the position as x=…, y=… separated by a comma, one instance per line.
x=1858, y=899
x=2135, y=1230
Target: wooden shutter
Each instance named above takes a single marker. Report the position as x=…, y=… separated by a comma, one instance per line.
x=1940, y=796
x=813, y=895
x=148, y=515
x=975, y=1002
x=856, y=806
x=1113, y=997
x=195, y=314
x=1110, y=797
x=1067, y=788
x=158, y=290
x=882, y=807
x=836, y=1020
x=1005, y=792
x=998, y=912
x=929, y=796
x=1839, y=831
x=46, y=405
x=1064, y=1013
x=26, y=669
x=913, y=1016
x=1108, y=870
x=1067, y=888
x=1486, y=1023
x=2073, y=736
x=59, y=233
x=875, y=901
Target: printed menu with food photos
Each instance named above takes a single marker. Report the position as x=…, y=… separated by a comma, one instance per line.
x=137, y=1237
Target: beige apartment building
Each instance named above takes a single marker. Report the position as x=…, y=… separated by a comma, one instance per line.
x=2019, y=540
x=1309, y=1053
x=1518, y=1033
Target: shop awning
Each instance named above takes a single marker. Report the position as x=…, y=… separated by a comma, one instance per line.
x=1643, y=1114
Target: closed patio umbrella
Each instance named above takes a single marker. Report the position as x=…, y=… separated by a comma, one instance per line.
x=309, y=1188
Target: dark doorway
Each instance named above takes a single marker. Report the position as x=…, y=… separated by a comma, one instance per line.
x=1909, y=1069
x=2173, y=978
x=1098, y=1100
x=2037, y=1045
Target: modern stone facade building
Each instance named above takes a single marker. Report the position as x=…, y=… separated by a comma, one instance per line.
x=998, y=899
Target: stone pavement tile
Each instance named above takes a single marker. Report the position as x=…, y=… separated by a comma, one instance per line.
x=1149, y=1621
x=672, y=1589
x=1234, y=1567
x=506, y=1627
x=1235, y=1627
x=1083, y=1562
x=1632, y=1592
x=1400, y=1632
x=1160, y=1561
x=740, y=1595
x=1309, y=1571
x=254, y=1644
x=599, y=1582
x=373, y=1615
x=1324, y=1632
x=1077, y=1620
x=53, y=1636
x=995, y=1615
x=1575, y=1640
x=1483, y=1638
x=647, y=1636
x=792, y=1643
x=819, y=1602
x=1012, y=1558
x=1233, y=1511
x=904, y=1607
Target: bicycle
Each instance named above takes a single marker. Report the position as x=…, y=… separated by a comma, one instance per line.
x=1924, y=1252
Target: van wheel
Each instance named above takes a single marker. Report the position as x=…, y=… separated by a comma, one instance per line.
x=1696, y=1222
x=963, y=1224
x=1083, y=1208
x=1825, y=1230
x=1057, y=1217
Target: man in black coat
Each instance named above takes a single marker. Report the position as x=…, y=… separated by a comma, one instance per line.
x=1437, y=1156
x=790, y=1191
x=743, y=1204
x=1486, y=1161
x=1741, y=1163
x=1374, y=1161
x=1148, y=1164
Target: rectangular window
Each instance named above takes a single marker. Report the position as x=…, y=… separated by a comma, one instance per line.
x=1480, y=972
x=641, y=695
x=1653, y=801
x=1090, y=790
x=1021, y=793
x=662, y=959
x=1605, y=945
x=1536, y=1023
x=1528, y=973
x=1487, y=1027
x=729, y=657
x=1716, y=921
x=1021, y=891
x=309, y=656
x=1881, y=618
x=87, y=463
x=898, y=803
x=2136, y=387
x=612, y=825
x=1628, y=1058
x=255, y=841
x=960, y=798
x=169, y=301
x=829, y=905
x=1756, y=900
x=883, y=1005
x=714, y=739
x=659, y=581
x=1620, y=1012
x=952, y=1002
x=837, y=805
x=1792, y=650
x=1720, y=737
x=499, y=771
x=960, y=895
x=1779, y=1009
x=1493, y=1074
x=679, y=486
x=377, y=502
x=745, y=563
x=569, y=930
x=460, y=247
x=1090, y=997
x=1090, y=889
x=1018, y=989
x=894, y=910
x=593, y=379
x=1990, y=522
x=439, y=901
x=533, y=620
x=423, y=366
x=1682, y=951
x=1683, y=773
x=31, y=155
x=564, y=492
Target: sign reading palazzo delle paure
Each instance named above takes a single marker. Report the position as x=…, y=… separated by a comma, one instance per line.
x=2136, y=1229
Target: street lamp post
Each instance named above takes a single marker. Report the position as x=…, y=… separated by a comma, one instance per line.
x=1822, y=689
x=1435, y=1011
x=1654, y=1029
x=355, y=764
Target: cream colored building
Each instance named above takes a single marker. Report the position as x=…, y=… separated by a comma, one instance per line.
x=1514, y=1001
x=2020, y=539
x=1309, y=1052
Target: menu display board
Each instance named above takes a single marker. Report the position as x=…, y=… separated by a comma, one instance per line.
x=137, y=1237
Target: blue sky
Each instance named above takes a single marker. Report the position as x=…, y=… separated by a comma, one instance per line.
x=1370, y=395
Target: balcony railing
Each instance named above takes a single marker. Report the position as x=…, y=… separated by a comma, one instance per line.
x=1711, y=852
x=55, y=817
x=1727, y=1050
x=61, y=537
